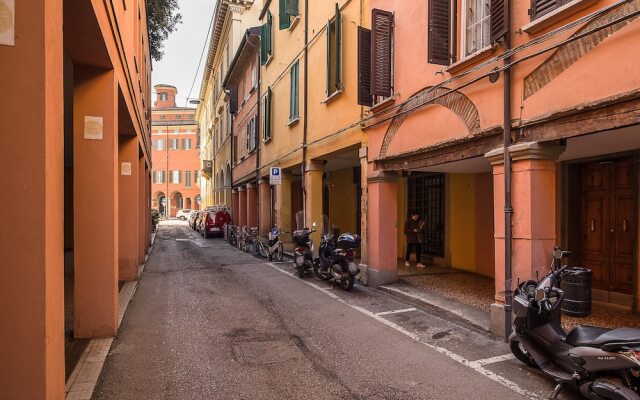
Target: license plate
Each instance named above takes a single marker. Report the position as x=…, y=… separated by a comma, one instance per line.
x=215, y=228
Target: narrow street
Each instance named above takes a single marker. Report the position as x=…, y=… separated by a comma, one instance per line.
x=210, y=322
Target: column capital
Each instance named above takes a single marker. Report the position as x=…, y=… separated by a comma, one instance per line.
x=240, y=188
x=383, y=176
x=526, y=151
x=263, y=181
x=315, y=165
x=251, y=185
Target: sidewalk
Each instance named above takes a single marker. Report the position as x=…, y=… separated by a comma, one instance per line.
x=467, y=297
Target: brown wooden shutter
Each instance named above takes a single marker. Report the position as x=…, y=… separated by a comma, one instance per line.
x=364, y=67
x=439, y=35
x=542, y=7
x=382, y=22
x=499, y=28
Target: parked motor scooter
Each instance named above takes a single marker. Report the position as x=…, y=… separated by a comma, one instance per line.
x=336, y=258
x=600, y=363
x=303, y=252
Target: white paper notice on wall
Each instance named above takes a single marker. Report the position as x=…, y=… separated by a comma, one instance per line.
x=125, y=168
x=92, y=128
x=7, y=22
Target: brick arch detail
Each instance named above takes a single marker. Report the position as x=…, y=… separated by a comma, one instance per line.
x=455, y=101
x=569, y=53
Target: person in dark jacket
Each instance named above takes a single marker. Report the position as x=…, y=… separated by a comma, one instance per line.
x=413, y=228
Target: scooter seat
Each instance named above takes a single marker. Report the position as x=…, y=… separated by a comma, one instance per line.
x=607, y=339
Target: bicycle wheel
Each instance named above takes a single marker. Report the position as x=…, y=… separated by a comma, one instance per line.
x=279, y=252
x=262, y=250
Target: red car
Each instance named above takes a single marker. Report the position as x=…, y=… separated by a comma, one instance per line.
x=213, y=222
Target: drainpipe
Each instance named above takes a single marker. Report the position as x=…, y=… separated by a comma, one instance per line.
x=508, y=209
x=304, y=122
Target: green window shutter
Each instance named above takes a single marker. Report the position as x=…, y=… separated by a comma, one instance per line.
x=268, y=113
x=297, y=90
x=283, y=14
x=263, y=44
x=292, y=8
x=328, y=89
x=338, y=48
x=292, y=95
x=269, y=33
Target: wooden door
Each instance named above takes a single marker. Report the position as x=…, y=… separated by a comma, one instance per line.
x=608, y=224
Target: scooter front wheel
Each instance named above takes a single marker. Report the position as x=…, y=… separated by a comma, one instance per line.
x=300, y=269
x=521, y=353
x=347, y=284
x=318, y=274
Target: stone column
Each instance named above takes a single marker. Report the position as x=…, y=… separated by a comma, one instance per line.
x=128, y=208
x=283, y=206
x=95, y=203
x=313, y=199
x=143, y=210
x=235, y=200
x=242, y=206
x=264, y=213
x=382, y=218
x=364, y=241
x=32, y=244
x=533, y=189
x=252, y=205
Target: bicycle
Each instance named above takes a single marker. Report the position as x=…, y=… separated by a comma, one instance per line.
x=232, y=236
x=269, y=246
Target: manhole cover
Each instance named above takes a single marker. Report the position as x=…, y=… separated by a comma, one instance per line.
x=266, y=352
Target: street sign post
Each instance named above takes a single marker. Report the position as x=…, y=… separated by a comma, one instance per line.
x=275, y=176
x=198, y=199
x=164, y=201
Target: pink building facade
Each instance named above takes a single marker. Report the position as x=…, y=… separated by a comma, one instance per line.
x=436, y=126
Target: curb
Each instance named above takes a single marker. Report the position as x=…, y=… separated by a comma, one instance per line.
x=442, y=307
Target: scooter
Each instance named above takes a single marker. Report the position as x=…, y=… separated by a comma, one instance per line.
x=600, y=363
x=336, y=258
x=303, y=252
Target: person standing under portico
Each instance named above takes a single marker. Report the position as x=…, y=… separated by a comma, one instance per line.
x=413, y=228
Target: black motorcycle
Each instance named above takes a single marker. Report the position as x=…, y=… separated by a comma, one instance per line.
x=303, y=252
x=600, y=363
x=336, y=258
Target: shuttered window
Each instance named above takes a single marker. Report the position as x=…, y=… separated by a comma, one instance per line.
x=542, y=7
x=439, y=35
x=187, y=178
x=266, y=39
x=251, y=135
x=266, y=115
x=381, y=49
x=334, y=53
x=233, y=99
x=294, y=98
x=499, y=28
x=364, y=67
x=288, y=11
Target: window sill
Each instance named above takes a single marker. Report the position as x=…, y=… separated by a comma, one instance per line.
x=267, y=140
x=331, y=96
x=269, y=59
x=293, y=122
x=475, y=58
x=383, y=104
x=554, y=16
x=294, y=23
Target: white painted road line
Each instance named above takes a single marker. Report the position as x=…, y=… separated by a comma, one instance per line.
x=404, y=310
x=493, y=360
x=474, y=365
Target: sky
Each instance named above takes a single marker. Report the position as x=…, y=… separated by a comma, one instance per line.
x=182, y=50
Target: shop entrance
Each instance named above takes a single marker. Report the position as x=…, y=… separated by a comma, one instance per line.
x=607, y=219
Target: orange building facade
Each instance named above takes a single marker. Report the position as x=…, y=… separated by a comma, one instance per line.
x=175, y=179
x=76, y=162
x=439, y=97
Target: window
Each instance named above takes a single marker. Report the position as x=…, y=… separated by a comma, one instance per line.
x=287, y=12
x=334, y=53
x=375, y=59
x=254, y=75
x=186, y=144
x=160, y=144
x=176, y=130
x=542, y=7
x=476, y=26
x=187, y=178
x=173, y=144
x=196, y=177
x=266, y=40
x=266, y=115
x=251, y=135
x=175, y=176
x=228, y=55
x=162, y=96
x=228, y=116
x=294, y=93
x=158, y=176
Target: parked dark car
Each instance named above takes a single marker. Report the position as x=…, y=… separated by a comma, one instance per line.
x=213, y=222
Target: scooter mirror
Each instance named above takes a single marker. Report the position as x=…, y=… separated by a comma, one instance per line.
x=557, y=253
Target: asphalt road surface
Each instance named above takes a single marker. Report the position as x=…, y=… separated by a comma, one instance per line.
x=210, y=322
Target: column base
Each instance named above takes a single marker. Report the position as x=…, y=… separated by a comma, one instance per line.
x=377, y=277
x=497, y=320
